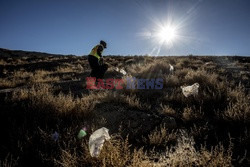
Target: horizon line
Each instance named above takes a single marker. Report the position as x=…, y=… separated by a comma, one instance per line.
x=189, y=54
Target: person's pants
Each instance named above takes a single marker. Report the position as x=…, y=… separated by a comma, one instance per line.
x=98, y=70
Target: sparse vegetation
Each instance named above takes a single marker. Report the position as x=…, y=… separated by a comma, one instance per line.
x=42, y=93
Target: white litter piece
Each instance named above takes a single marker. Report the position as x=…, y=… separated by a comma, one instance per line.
x=96, y=141
x=209, y=63
x=171, y=69
x=190, y=90
x=121, y=71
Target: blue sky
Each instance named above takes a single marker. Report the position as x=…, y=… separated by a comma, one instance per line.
x=202, y=27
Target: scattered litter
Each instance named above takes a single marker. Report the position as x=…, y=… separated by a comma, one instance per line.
x=121, y=71
x=209, y=63
x=96, y=141
x=55, y=136
x=117, y=69
x=82, y=133
x=171, y=69
x=190, y=90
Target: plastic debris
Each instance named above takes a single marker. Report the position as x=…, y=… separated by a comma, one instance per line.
x=96, y=141
x=122, y=71
x=190, y=90
x=209, y=63
x=171, y=69
x=55, y=136
x=82, y=133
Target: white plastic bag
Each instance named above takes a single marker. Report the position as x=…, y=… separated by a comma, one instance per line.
x=171, y=69
x=96, y=141
x=122, y=71
x=190, y=90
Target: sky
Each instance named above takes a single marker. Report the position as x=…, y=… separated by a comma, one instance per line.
x=130, y=27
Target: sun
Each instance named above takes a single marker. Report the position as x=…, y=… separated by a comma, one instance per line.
x=166, y=34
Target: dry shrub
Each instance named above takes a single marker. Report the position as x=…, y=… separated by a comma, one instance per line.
x=181, y=73
x=239, y=105
x=149, y=59
x=171, y=81
x=115, y=152
x=199, y=131
x=129, y=61
x=22, y=77
x=185, y=154
x=190, y=114
x=9, y=161
x=183, y=63
x=64, y=69
x=149, y=69
x=166, y=110
x=130, y=100
x=3, y=62
x=189, y=77
x=79, y=68
x=68, y=159
x=16, y=79
x=40, y=76
x=7, y=83
x=41, y=98
x=161, y=136
x=139, y=59
x=212, y=94
x=155, y=69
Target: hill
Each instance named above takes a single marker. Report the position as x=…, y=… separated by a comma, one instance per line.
x=42, y=93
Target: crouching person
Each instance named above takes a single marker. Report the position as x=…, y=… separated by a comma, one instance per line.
x=98, y=68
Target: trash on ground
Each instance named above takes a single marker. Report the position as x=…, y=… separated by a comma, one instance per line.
x=55, y=136
x=209, y=63
x=190, y=90
x=96, y=141
x=122, y=71
x=82, y=133
x=171, y=68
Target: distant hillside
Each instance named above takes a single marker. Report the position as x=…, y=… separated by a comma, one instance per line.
x=21, y=53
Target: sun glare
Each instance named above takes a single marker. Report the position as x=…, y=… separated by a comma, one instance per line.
x=166, y=34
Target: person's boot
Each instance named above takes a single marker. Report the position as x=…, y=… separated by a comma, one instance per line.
x=91, y=83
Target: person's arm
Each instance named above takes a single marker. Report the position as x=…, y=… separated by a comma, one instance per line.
x=99, y=51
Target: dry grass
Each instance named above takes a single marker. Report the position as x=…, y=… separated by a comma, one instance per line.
x=161, y=136
x=185, y=154
x=2, y=62
x=22, y=77
x=46, y=103
x=239, y=105
x=9, y=161
x=191, y=115
x=166, y=110
x=116, y=152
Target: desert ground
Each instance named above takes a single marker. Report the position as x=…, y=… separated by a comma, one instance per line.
x=44, y=93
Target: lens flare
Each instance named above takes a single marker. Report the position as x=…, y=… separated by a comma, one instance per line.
x=166, y=34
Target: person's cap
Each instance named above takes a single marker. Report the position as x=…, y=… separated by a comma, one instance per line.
x=103, y=43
